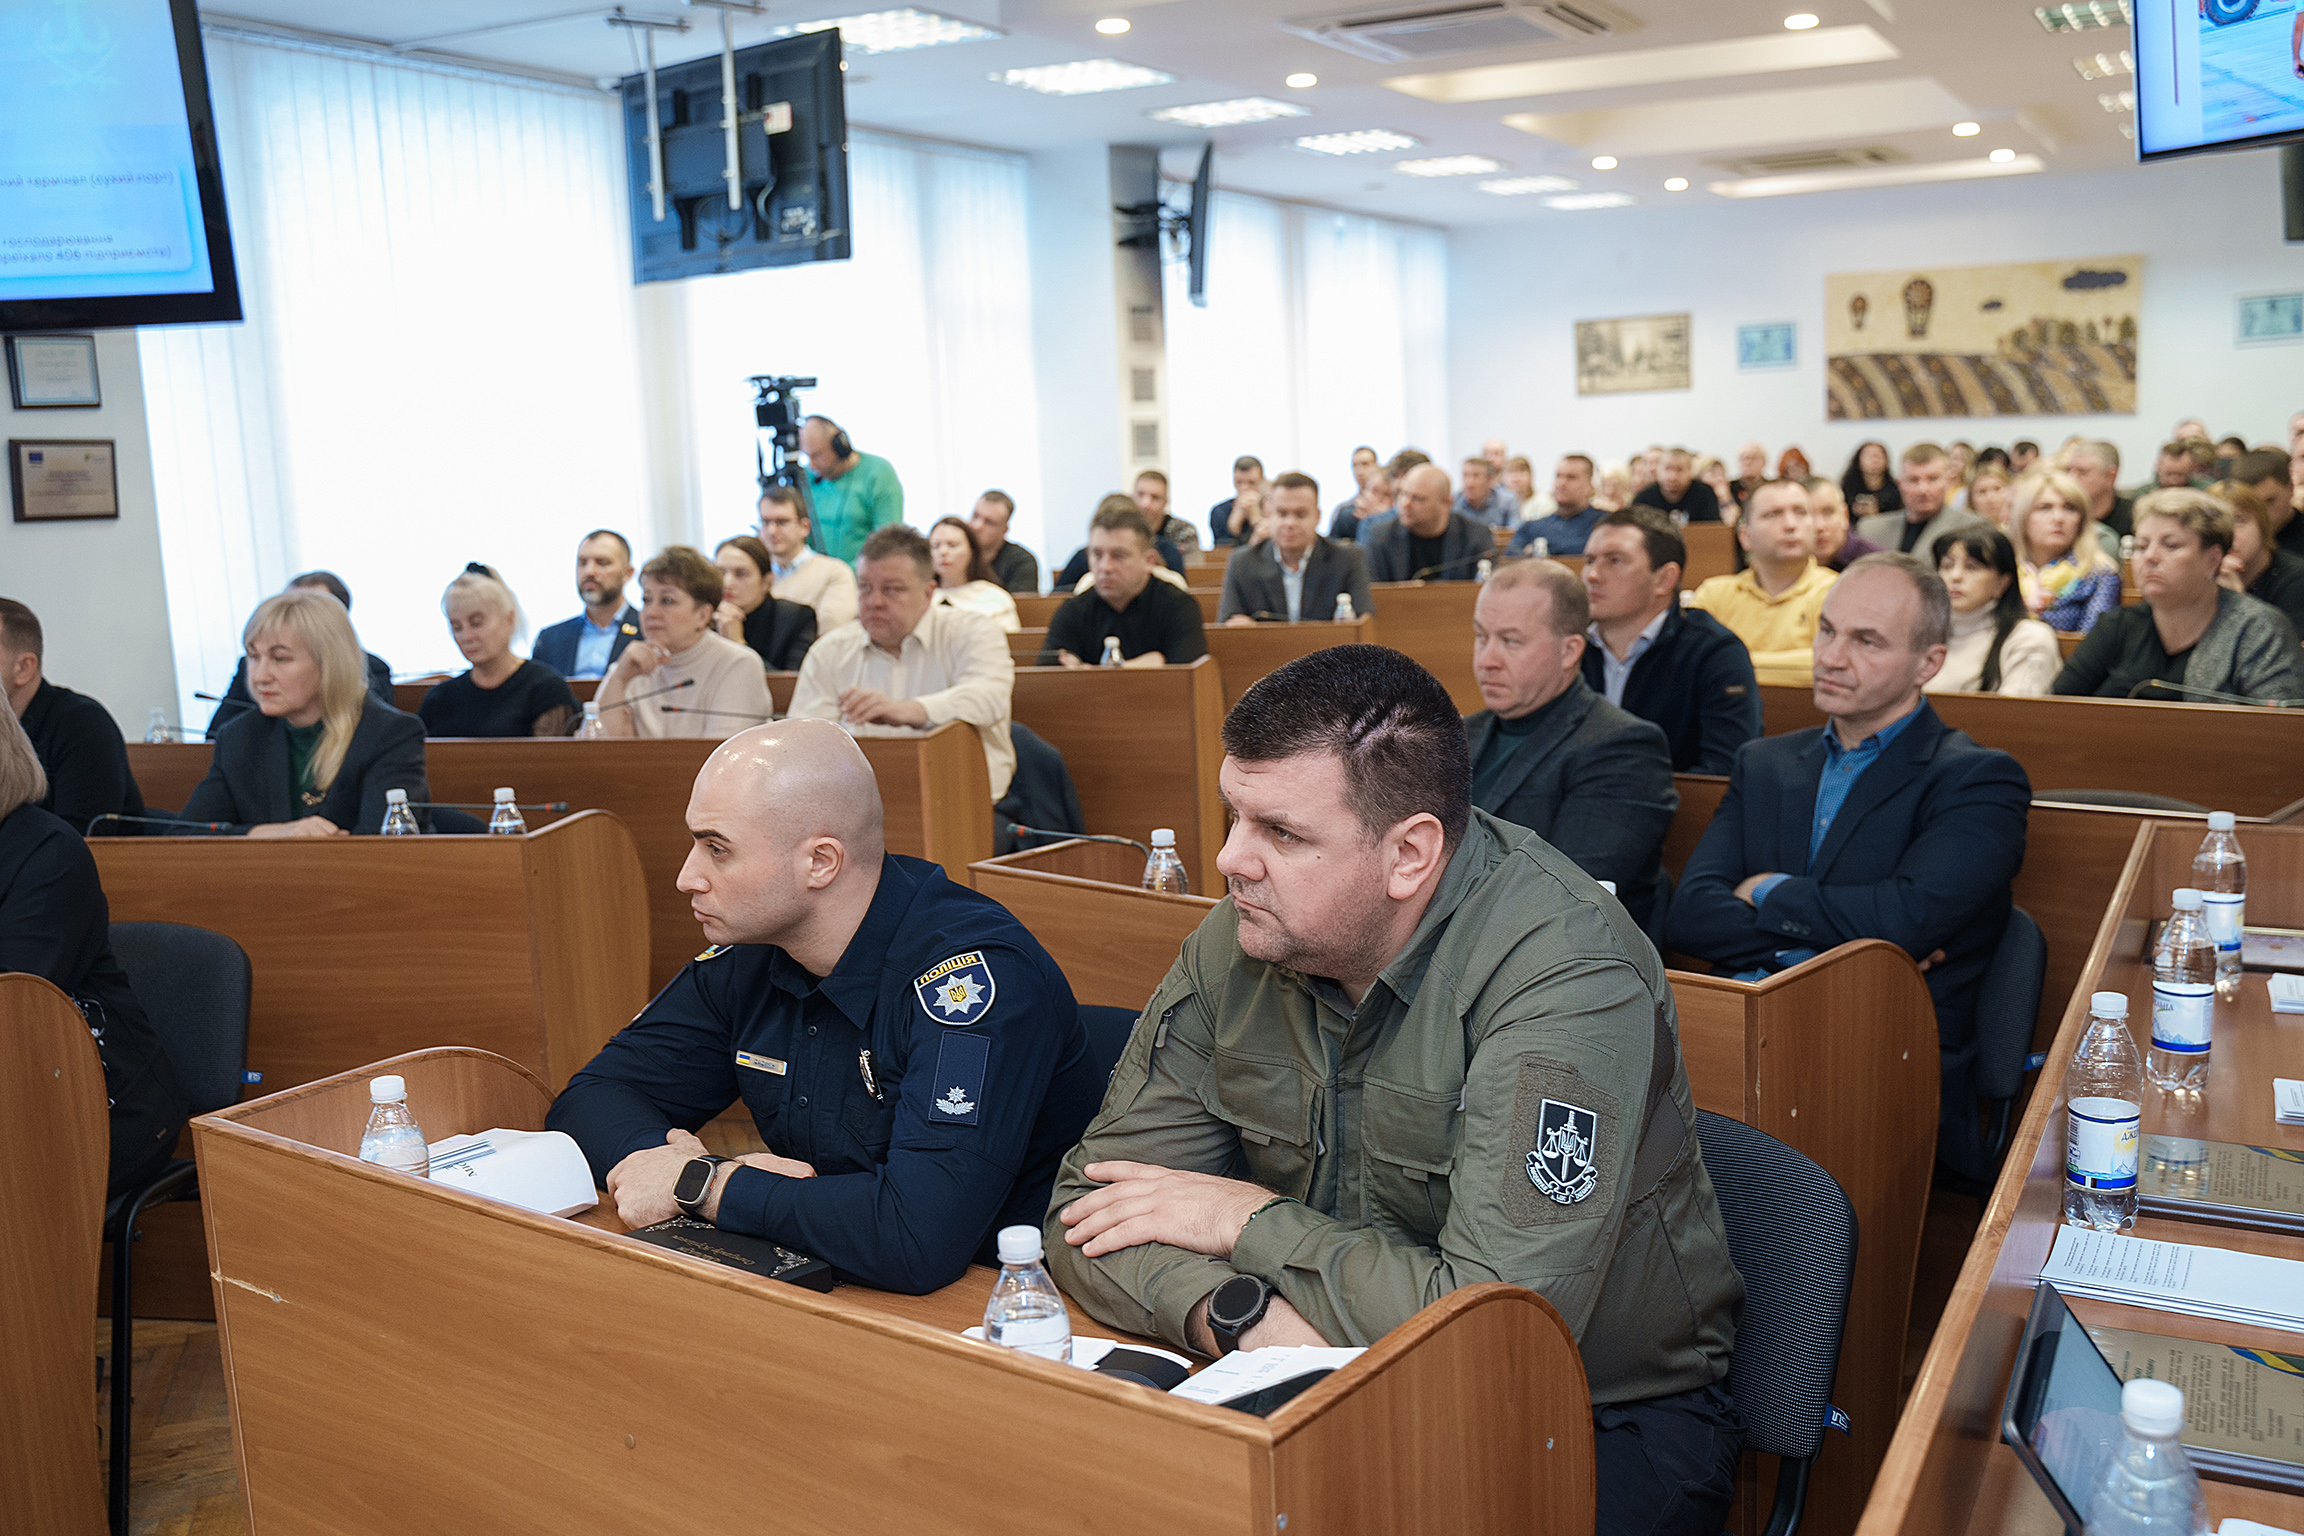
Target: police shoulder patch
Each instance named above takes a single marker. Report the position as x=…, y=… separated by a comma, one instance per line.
x=717, y=949
x=957, y=991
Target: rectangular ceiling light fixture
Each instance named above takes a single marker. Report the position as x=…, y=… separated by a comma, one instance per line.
x=2116, y=101
x=1522, y=186
x=1879, y=176
x=1228, y=114
x=2103, y=66
x=895, y=31
x=1452, y=165
x=1084, y=78
x=1578, y=202
x=2082, y=15
x=1729, y=59
x=1360, y=141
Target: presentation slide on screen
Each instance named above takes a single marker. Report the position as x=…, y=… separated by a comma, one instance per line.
x=2217, y=71
x=97, y=192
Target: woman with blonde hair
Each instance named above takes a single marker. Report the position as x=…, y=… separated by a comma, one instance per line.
x=502, y=695
x=317, y=754
x=2069, y=582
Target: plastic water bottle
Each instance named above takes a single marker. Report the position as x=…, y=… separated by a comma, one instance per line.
x=1164, y=872
x=2183, y=998
x=1541, y=549
x=1344, y=613
x=1484, y=570
x=1026, y=1311
x=156, y=726
x=2220, y=871
x=399, y=821
x=2149, y=1487
x=2104, y=1103
x=1111, y=652
x=591, y=729
x=392, y=1139
x=505, y=819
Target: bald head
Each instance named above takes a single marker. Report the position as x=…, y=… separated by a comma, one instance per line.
x=1424, y=500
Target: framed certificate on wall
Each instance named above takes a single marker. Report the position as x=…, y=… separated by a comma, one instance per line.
x=52, y=372
x=58, y=482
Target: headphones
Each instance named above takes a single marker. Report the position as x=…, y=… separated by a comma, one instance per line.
x=842, y=448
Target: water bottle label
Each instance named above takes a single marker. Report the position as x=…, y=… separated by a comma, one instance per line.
x=2182, y=1015
x=2101, y=1144
x=2226, y=912
x=1048, y=1337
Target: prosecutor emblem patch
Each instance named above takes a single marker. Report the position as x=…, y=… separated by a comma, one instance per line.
x=1562, y=1166
x=958, y=991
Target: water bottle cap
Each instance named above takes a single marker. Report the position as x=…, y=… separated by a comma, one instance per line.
x=1019, y=1245
x=395, y=797
x=592, y=706
x=2152, y=1407
x=2188, y=900
x=2220, y=821
x=2108, y=1005
x=503, y=794
x=1163, y=837
x=1609, y=886
x=387, y=1090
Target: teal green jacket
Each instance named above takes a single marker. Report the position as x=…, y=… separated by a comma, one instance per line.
x=846, y=510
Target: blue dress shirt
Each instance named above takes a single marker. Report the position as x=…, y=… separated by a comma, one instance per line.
x=594, y=645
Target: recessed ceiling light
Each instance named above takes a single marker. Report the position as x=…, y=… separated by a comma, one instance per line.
x=1675, y=183
x=2002, y=156
x=1799, y=22
x=1521, y=186
x=1452, y=165
x=2080, y=15
x=894, y=31
x=1360, y=141
x=2116, y=101
x=1603, y=162
x=1112, y=26
x=1302, y=80
x=1910, y=174
x=1577, y=202
x=1966, y=130
x=1082, y=78
x=2102, y=66
x=1227, y=114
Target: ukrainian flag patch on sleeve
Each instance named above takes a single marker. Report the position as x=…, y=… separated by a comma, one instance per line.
x=957, y=991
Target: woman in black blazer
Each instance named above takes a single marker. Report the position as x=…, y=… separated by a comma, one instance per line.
x=54, y=923
x=317, y=754
x=750, y=614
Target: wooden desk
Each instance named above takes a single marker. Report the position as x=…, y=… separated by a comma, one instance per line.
x=1246, y=652
x=1431, y=621
x=1946, y=1470
x=1113, y=940
x=409, y=697
x=607, y=1374
x=1036, y=612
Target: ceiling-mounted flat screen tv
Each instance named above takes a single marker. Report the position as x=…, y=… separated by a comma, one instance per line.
x=111, y=204
x=2217, y=74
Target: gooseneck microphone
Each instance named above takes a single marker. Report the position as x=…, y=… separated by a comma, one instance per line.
x=1084, y=837
x=160, y=821
x=484, y=805
x=725, y=714
x=1498, y=555
x=631, y=699
x=2212, y=695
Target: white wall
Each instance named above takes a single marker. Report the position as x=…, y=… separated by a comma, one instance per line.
x=2208, y=228
x=1075, y=350
x=96, y=585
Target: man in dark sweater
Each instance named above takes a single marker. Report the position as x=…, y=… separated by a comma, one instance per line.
x=1678, y=490
x=75, y=738
x=1016, y=568
x=1679, y=667
x=1155, y=622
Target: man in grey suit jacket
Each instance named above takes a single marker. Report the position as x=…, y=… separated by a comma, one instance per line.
x=1293, y=574
x=1427, y=534
x=1555, y=757
x=1923, y=477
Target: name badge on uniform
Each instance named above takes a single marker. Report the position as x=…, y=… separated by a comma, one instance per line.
x=957, y=1091
x=958, y=991
x=768, y=1064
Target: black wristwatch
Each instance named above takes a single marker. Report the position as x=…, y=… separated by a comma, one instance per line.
x=694, y=1183
x=1235, y=1307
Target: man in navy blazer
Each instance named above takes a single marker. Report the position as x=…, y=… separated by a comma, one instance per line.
x=1883, y=823
x=1679, y=667
x=588, y=644
x=1294, y=576
x=1427, y=534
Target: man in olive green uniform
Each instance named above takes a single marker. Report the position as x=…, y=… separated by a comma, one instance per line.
x=1416, y=1048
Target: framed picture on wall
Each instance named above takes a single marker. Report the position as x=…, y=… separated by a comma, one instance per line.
x=1767, y=346
x=52, y=372
x=58, y=482
x=1634, y=355
x=2265, y=319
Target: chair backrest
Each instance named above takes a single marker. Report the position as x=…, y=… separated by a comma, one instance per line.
x=1792, y=1234
x=194, y=987
x=1043, y=783
x=2006, y=1006
x=2121, y=799
x=1108, y=1031
x=55, y=1140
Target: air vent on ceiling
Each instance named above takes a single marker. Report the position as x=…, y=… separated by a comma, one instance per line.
x=1800, y=161
x=1409, y=34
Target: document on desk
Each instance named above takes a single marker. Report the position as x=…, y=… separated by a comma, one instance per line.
x=2178, y=1277
x=1251, y=1370
x=2246, y=1401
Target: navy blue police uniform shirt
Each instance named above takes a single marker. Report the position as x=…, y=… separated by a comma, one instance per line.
x=979, y=1080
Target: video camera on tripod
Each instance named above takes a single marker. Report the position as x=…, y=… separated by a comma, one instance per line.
x=776, y=411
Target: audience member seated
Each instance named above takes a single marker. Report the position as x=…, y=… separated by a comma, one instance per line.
x=317, y=752
x=1151, y=493
x=909, y=663
x=1427, y=538
x=1990, y=495
x=803, y=574
x=1923, y=476
x=2022, y=455
x=500, y=694
x=2188, y=631
x=1751, y=472
x=1551, y=755
x=81, y=752
x=1228, y=521
x=588, y=644
x=778, y=630
x=1458, y=961
x=898, y=1180
x=2256, y=565
x=1883, y=823
x=1996, y=645
x=1837, y=546
x=1869, y=488
x=851, y=493
x=1792, y=464
x=1772, y=603
x=2070, y=579
x=1615, y=492
x=1677, y=492
x=1484, y=500
x=679, y=679
x=2278, y=480
x=2096, y=466
x=54, y=924
x=2171, y=471
x=1573, y=518
x=964, y=579
x=1156, y=624
x=378, y=674
x=1016, y=568
x=1365, y=501
x=1520, y=480
x=1295, y=575
x=1714, y=473
x=1676, y=666
x=1167, y=559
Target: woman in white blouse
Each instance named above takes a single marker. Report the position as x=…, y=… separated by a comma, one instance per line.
x=1997, y=646
x=964, y=578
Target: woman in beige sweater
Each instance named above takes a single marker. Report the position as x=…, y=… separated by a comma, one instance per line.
x=1997, y=646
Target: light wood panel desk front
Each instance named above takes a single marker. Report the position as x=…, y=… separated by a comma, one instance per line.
x=539, y=1375
x=1431, y=621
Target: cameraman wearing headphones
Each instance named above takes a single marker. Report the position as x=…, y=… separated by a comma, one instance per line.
x=849, y=493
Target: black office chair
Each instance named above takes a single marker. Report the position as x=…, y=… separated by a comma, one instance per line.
x=1041, y=794
x=1792, y=1234
x=194, y=987
x=2120, y=799
x=2007, y=1005
x=1108, y=1031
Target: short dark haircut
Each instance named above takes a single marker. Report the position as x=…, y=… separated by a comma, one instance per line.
x=1934, y=626
x=1117, y=514
x=1247, y=461
x=1388, y=720
x=787, y=496
x=686, y=568
x=328, y=582
x=1297, y=480
x=1003, y=498
x=622, y=542
x=2024, y=445
x=1570, y=458
x=19, y=629
x=1403, y=461
x=2260, y=464
x=1143, y=475
x=1657, y=531
x=900, y=541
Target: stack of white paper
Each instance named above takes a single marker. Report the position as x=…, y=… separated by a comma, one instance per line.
x=2287, y=993
x=2288, y=1100
x=2178, y=1277
x=1248, y=1370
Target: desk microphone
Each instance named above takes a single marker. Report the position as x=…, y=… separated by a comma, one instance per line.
x=633, y=698
x=161, y=821
x=725, y=714
x=2211, y=694
x=1499, y=556
x=1084, y=837
x=475, y=805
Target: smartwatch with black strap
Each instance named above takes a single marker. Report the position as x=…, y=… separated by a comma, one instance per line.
x=1235, y=1307
x=694, y=1183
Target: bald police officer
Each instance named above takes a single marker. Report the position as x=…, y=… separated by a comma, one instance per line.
x=1414, y=1049
x=912, y=1057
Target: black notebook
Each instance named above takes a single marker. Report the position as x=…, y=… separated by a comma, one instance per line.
x=753, y=1255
